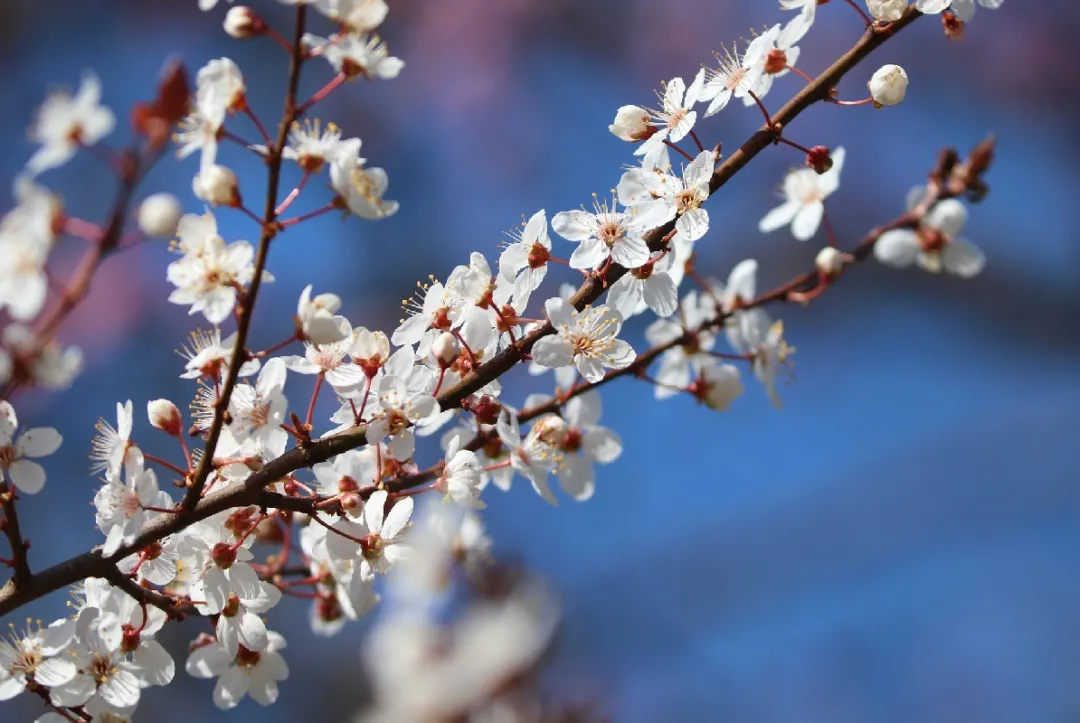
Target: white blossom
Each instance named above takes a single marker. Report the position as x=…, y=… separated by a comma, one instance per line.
x=65, y=122
x=805, y=192
x=16, y=455
x=587, y=339
x=248, y=673
x=935, y=244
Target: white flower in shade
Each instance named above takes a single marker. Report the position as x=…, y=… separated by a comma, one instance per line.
x=110, y=445
x=631, y=124
x=248, y=673
x=531, y=456
x=313, y=146
x=360, y=188
x=608, y=233
x=489, y=456
x=318, y=320
x=120, y=505
x=934, y=244
x=648, y=286
x=207, y=275
x=38, y=213
x=35, y=657
x=676, y=116
x=357, y=55
x=736, y=76
x=887, y=11
x=805, y=192
x=50, y=366
x=436, y=309
x=756, y=335
x=582, y=443
x=258, y=411
x=524, y=262
x=113, y=665
x=964, y=9
x=24, y=285
x=346, y=475
x=359, y=16
x=239, y=623
x=889, y=84
x=807, y=9
x=405, y=399
x=219, y=90
x=380, y=534
x=65, y=122
x=587, y=339
x=197, y=133
x=460, y=478
x=15, y=456
x=221, y=565
x=370, y=350
x=717, y=385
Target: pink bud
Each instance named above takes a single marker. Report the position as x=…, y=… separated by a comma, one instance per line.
x=242, y=22
x=165, y=416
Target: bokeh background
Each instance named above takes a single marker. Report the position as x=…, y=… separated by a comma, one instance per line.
x=900, y=543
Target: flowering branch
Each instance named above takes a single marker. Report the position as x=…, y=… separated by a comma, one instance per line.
x=269, y=230
x=250, y=491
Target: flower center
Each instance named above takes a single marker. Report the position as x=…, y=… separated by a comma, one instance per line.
x=610, y=232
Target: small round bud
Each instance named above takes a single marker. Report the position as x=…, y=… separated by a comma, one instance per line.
x=829, y=262
x=242, y=22
x=953, y=26
x=159, y=214
x=888, y=86
x=217, y=185
x=165, y=416
x=445, y=349
x=631, y=124
x=819, y=159
x=887, y=11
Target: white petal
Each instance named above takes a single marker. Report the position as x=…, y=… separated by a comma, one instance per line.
x=897, y=248
x=779, y=217
x=28, y=476
x=963, y=258
x=806, y=221
x=553, y=352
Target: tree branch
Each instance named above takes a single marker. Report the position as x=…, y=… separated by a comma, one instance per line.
x=269, y=230
x=91, y=564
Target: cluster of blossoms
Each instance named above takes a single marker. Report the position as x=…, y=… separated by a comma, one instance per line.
x=437, y=374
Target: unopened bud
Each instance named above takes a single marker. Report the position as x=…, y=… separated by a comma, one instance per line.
x=953, y=26
x=165, y=416
x=445, y=349
x=631, y=124
x=888, y=86
x=486, y=409
x=887, y=11
x=242, y=22
x=829, y=262
x=819, y=159
x=159, y=214
x=217, y=186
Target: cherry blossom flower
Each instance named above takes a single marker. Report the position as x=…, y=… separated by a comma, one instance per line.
x=736, y=75
x=683, y=196
x=717, y=384
x=460, y=478
x=608, y=233
x=757, y=335
x=963, y=9
x=381, y=534
x=805, y=192
x=239, y=623
x=197, y=133
x=359, y=16
x=110, y=445
x=935, y=244
x=887, y=11
x=676, y=117
x=679, y=363
x=356, y=55
x=586, y=339
x=121, y=506
x=778, y=54
x=532, y=457
x=524, y=262
x=208, y=355
x=489, y=456
x=35, y=656
x=404, y=400
x=888, y=85
x=648, y=286
x=345, y=475
x=221, y=564
x=581, y=444
x=65, y=122
x=631, y=124
x=258, y=411
x=313, y=146
x=15, y=456
x=248, y=673
x=361, y=189
x=210, y=270
x=50, y=366
x=219, y=89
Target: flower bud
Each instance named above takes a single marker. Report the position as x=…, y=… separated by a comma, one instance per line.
x=217, y=186
x=631, y=124
x=445, y=349
x=819, y=159
x=159, y=214
x=888, y=86
x=887, y=11
x=165, y=416
x=829, y=262
x=242, y=22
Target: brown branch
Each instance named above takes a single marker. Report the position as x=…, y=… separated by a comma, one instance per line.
x=269, y=230
x=19, y=564
x=91, y=564
x=175, y=609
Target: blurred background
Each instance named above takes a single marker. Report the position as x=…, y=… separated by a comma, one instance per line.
x=900, y=543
